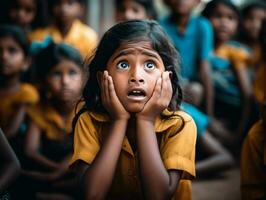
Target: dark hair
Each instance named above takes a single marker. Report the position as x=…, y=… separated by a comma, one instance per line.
x=147, y=4
x=209, y=8
x=17, y=34
x=262, y=40
x=245, y=10
x=127, y=32
x=40, y=20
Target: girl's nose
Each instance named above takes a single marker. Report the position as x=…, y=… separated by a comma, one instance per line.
x=136, y=76
x=65, y=79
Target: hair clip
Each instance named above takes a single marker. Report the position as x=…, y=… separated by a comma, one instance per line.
x=37, y=46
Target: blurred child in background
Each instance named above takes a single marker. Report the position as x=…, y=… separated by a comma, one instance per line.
x=59, y=77
x=15, y=96
x=66, y=27
x=9, y=166
x=193, y=38
x=28, y=14
x=253, y=155
x=229, y=66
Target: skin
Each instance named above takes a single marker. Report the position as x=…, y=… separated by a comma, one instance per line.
x=65, y=13
x=10, y=167
x=130, y=9
x=219, y=159
x=140, y=67
x=12, y=63
x=23, y=13
x=64, y=82
x=225, y=23
x=252, y=23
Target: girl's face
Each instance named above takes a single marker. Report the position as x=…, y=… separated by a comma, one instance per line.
x=182, y=7
x=225, y=22
x=66, y=11
x=252, y=22
x=65, y=81
x=129, y=10
x=12, y=57
x=23, y=12
x=135, y=68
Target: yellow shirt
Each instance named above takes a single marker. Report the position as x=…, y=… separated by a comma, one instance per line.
x=52, y=124
x=80, y=36
x=237, y=55
x=177, y=152
x=27, y=95
x=253, y=163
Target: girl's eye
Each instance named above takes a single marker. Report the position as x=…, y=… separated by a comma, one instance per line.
x=55, y=74
x=13, y=50
x=149, y=65
x=123, y=65
x=72, y=72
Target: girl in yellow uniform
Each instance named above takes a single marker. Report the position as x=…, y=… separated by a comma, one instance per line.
x=15, y=96
x=130, y=141
x=48, y=146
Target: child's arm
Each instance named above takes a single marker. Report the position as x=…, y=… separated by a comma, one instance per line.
x=13, y=126
x=246, y=92
x=218, y=158
x=98, y=177
x=32, y=145
x=157, y=182
x=9, y=164
x=205, y=77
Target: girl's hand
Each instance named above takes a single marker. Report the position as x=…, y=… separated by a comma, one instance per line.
x=109, y=98
x=159, y=100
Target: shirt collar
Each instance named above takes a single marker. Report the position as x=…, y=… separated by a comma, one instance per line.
x=161, y=123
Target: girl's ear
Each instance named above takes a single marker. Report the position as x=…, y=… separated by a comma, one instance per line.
x=27, y=64
x=99, y=77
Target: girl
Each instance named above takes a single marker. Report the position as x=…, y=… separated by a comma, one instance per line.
x=229, y=66
x=130, y=142
x=252, y=14
x=66, y=27
x=9, y=167
x=28, y=14
x=135, y=9
x=58, y=70
x=253, y=174
x=15, y=96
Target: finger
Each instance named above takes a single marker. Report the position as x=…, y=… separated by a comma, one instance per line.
x=158, y=88
x=166, y=86
x=106, y=87
x=111, y=88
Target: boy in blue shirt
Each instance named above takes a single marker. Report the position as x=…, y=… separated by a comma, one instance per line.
x=193, y=37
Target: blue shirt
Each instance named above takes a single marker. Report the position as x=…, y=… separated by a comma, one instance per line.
x=194, y=45
x=227, y=59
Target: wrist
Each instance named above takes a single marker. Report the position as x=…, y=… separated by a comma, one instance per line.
x=144, y=118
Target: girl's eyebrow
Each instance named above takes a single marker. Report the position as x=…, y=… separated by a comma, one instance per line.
x=147, y=53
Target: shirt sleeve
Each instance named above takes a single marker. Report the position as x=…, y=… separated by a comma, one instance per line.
x=28, y=94
x=178, y=150
x=86, y=141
